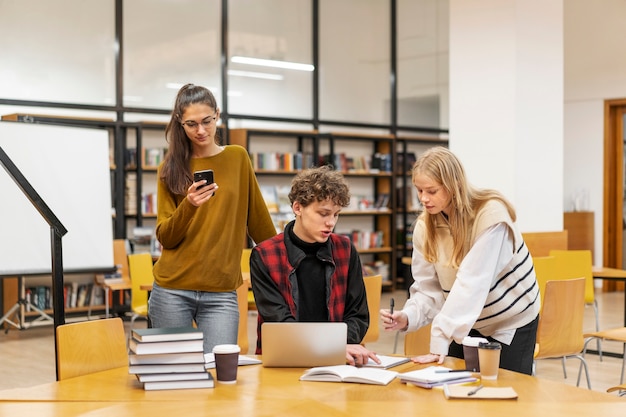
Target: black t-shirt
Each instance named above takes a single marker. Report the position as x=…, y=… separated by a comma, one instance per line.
x=311, y=283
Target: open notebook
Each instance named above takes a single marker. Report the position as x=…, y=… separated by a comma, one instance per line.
x=304, y=345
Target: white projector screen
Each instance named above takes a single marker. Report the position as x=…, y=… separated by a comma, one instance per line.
x=69, y=168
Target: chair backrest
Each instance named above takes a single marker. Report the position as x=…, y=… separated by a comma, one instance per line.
x=140, y=268
x=373, y=290
x=545, y=270
x=120, y=256
x=560, y=330
x=245, y=259
x=417, y=342
x=242, y=301
x=575, y=264
x=541, y=243
x=90, y=346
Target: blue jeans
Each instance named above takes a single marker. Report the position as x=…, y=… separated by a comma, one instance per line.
x=215, y=313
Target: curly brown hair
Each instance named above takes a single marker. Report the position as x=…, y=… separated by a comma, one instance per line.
x=320, y=184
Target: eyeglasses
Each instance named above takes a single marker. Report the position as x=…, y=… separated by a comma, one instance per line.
x=206, y=123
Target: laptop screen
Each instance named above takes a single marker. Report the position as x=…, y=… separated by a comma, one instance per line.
x=300, y=345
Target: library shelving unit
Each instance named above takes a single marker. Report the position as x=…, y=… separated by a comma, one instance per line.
x=141, y=157
x=367, y=162
x=277, y=155
x=407, y=207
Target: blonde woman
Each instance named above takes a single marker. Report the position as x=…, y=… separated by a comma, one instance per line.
x=472, y=270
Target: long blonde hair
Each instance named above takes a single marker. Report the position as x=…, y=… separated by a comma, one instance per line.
x=443, y=167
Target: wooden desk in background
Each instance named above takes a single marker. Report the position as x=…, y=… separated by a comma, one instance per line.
x=612, y=274
x=278, y=391
x=109, y=285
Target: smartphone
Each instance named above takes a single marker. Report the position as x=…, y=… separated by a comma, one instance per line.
x=207, y=175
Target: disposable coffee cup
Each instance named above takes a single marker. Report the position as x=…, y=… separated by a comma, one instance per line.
x=489, y=359
x=470, y=352
x=226, y=361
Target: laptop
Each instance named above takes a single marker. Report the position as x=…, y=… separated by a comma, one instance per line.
x=304, y=345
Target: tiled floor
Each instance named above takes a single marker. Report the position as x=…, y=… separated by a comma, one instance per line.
x=28, y=355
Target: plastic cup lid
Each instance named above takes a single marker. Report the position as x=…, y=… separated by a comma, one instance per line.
x=226, y=349
x=473, y=341
x=490, y=345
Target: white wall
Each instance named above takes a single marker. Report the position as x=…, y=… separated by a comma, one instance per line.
x=595, y=70
x=506, y=102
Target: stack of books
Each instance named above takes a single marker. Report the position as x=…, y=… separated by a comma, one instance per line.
x=168, y=358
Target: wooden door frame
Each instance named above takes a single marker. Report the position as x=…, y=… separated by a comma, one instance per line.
x=613, y=221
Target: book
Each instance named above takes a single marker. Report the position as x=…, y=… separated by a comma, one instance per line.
x=433, y=375
x=166, y=368
x=165, y=358
x=349, y=373
x=243, y=360
x=386, y=362
x=185, y=384
x=430, y=385
x=175, y=346
x=163, y=334
x=486, y=393
x=183, y=376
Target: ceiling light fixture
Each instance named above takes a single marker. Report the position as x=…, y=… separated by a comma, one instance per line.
x=272, y=63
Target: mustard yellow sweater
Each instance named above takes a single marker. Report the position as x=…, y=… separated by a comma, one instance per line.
x=202, y=245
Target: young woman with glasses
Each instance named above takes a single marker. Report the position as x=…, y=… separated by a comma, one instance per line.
x=203, y=232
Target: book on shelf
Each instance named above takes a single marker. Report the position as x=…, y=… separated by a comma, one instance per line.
x=386, y=362
x=349, y=373
x=184, y=376
x=486, y=393
x=167, y=368
x=166, y=358
x=171, y=346
x=185, y=384
x=163, y=334
x=435, y=375
x=382, y=202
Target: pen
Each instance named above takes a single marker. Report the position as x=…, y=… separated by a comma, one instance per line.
x=391, y=304
x=474, y=391
x=447, y=371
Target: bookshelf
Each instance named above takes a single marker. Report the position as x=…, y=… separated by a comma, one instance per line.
x=408, y=148
x=277, y=156
x=367, y=163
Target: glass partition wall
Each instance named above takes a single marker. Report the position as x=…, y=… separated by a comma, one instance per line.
x=379, y=64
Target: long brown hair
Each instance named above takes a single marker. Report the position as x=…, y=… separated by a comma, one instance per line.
x=442, y=166
x=175, y=171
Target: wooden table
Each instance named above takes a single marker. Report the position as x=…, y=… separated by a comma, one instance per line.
x=110, y=285
x=277, y=391
x=614, y=274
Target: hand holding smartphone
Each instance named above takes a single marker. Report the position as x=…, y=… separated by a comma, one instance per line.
x=206, y=174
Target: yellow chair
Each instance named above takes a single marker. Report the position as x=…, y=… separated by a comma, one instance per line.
x=90, y=346
x=140, y=271
x=242, y=301
x=545, y=270
x=245, y=272
x=574, y=264
x=621, y=389
x=373, y=290
x=417, y=342
x=560, y=330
